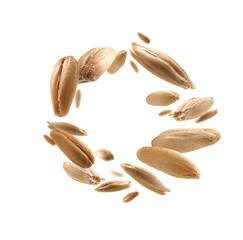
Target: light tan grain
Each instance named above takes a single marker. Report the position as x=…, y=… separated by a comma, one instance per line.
x=186, y=139
x=168, y=161
x=94, y=63
x=117, y=173
x=192, y=108
x=104, y=154
x=161, y=65
x=67, y=127
x=118, y=62
x=49, y=140
x=77, y=98
x=76, y=150
x=63, y=84
x=162, y=98
x=83, y=175
x=134, y=66
x=130, y=196
x=113, y=186
x=207, y=116
x=143, y=38
x=164, y=112
x=145, y=178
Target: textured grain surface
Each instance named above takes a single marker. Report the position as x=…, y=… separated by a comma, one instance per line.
x=161, y=65
x=63, y=84
x=186, y=139
x=67, y=127
x=113, y=186
x=83, y=175
x=145, y=178
x=168, y=161
x=94, y=63
x=192, y=108
x=76, y=150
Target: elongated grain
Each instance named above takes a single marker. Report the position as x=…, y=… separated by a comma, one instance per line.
x=63, y=84
x=118, y=62
x=49, y=140
x=162, y=98
x=76, y=150
x=144, y=38
x=94, y=63
x=207, y=116
x=83, y=175
x=130, y=196
x=113, y=186
x=77, y=98
x=192, y=108
x=161, y=65
x=164, y=112
x=67, y=127
x=134, y=66
x=145, y=178
x=168, y=161
x=186, y=139
x=117, y=173
x=104, y=154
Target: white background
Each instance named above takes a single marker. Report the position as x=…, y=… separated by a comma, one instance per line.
x=38, y=200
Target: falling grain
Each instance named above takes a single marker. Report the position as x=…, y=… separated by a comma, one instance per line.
x=134, y=66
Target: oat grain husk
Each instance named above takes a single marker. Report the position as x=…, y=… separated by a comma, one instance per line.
x=113, y=186
x=161, y=65
x=130, y=196
x=162, y=98
x=192, y=108
x=63, y=84
x=76, y=150
x=145, y=178
x=83, y=175
x=49, y=140
x=164, y=112
x=77, y=98
x=144, y=38
x=104, y=154
x=93, y=64
x=206, y=116
x=168, y=161
x=186, y=139
x=118, y=62
x=134, y=66
x=67, y=127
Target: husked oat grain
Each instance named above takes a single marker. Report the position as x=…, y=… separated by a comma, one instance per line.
x=130, y=196
x=143, y=38
x=186, y=139
x=168, y=161
x=76, y=150
x=145, y=178
x=49, y=140
x=104, y=154
x=113, y=186
x=207, y=116
x=134, y=66
x=77, y=98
